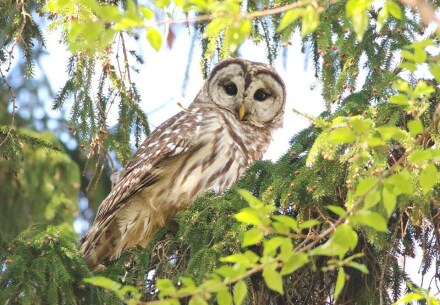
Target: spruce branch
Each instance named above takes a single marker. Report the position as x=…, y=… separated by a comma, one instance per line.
x=18, y=37
x=253, y=15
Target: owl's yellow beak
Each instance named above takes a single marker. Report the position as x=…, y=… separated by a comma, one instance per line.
x=241, y=112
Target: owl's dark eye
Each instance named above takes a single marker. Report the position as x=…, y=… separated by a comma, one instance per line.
x=230, y=89
x=260, y=95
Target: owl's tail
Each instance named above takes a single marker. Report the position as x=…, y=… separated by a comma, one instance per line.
x=133, y=225
x=101, y=243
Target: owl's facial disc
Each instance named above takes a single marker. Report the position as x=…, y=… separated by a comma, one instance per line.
x=264, y=98
x=254, y=92
x=226, y=86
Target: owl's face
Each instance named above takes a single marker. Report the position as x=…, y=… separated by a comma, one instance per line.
x=254, y=92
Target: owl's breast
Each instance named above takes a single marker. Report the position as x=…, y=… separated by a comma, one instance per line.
x=215, y=162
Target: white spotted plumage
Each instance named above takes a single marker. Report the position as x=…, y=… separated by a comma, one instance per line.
x=208, y=146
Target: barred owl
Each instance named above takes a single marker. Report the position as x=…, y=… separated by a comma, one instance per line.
x=228, y=126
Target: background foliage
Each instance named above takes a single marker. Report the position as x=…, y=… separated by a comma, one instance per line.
x=327, y=223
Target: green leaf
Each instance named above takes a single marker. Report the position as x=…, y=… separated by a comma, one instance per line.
x=188, y=282
x=415, y=127
x=435, y=71
x=253, y=202
x=110, y=13
x=310, y=20
x=271, y=245
x=104, y=282
x=340, y=282
x=227, y=271
x=197, y=300
x=420, y=55
x=421, y=155
x=402, y=181
x=215, y=27
x=252, y=257
x=287, y=221
x=428, y=178
x=357, y=6
x=308, y=224
x=401, y=85
x=237, y=32
x=408, y=55
x=389, y=200
x=240, y=292
x=341, y=135
x=273, y=279
x=236, y=258
x=289, y=17
x=391, y=132
x=399, y=99
x=343, y=240
x=294, y=263
x=371, y=199
x=422, y=88
x=224, y=297
x=165, y=287
x=394, y=9
x=154, y=37
x=148, y=14
x=336, y=209
x=381, y=17
x=409, y=297
x=360, y=23
x=248, y=215
x=371, y=219
x=365, y=185
x=361, y=267
x=408, y=66
x=252, y=237
x=286, y=250
x=346, y=236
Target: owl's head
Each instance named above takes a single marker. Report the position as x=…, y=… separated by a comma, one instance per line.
x=253, y=91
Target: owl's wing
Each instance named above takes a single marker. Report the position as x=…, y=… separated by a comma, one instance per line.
x=173, y=137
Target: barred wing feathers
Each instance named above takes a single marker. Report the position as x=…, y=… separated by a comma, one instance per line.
x=173, y=137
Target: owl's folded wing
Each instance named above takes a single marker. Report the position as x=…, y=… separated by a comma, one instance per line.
x=173, y=137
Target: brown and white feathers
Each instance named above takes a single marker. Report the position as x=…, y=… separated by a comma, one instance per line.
x=228, y=126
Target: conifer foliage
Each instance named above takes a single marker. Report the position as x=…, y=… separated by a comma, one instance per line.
x=329, y=223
